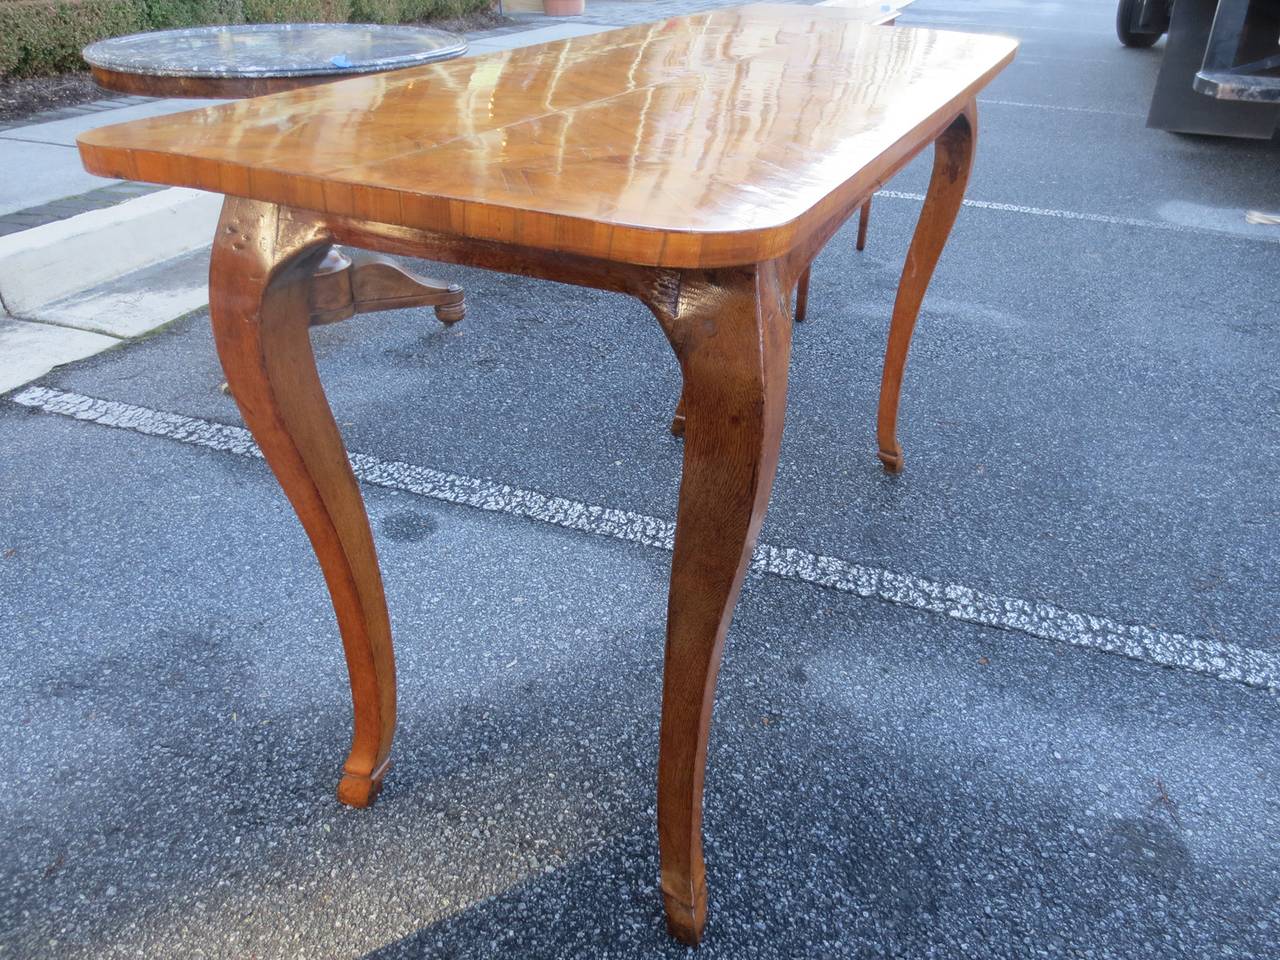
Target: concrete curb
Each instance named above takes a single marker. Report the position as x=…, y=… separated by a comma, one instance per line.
x=30, y=350
x=137, y=303
x=58, y=260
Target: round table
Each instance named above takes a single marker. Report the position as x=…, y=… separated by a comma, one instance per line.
x=249, y=60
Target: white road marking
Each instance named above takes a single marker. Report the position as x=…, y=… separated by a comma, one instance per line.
x=1044, y=621
x=1261, y=236
x=1032, y=59
x=1054, y=106
x=995, y=29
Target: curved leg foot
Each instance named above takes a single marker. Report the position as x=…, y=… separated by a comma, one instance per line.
x=732, y=333
x=260, y=304
x=952, y=157
x=864, y=219
x=449, y=314
x=361, y=789
x=892, y=460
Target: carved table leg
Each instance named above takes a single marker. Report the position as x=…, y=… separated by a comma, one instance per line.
x=802, y=295
x=731, y=331
x=802, y=304
x=952, y=158
x=802, y=288
x=260, y=283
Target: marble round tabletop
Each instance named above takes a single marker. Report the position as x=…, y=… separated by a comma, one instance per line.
x=274, y=50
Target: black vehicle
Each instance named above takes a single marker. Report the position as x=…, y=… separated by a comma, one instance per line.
x=1140, y=23
x=1220, y=69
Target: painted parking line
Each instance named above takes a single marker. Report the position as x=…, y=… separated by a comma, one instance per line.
x=1262, y=236
x=1043, y=621
x=1054, y=106
x=1001, y=30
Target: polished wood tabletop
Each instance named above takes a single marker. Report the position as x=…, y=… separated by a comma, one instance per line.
x=707, y=140
x=698, y=165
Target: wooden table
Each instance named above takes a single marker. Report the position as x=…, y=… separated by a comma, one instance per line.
x=697, y=164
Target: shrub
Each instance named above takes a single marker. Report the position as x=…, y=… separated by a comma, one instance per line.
x=46, y=36
x=165, y=14
x=409, y=11
x=295, y=11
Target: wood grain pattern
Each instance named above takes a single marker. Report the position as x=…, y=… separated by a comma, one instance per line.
x=698, y=165
x=712, y=140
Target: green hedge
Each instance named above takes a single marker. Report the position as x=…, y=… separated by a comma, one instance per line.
x=46, y=36
x=409, y=11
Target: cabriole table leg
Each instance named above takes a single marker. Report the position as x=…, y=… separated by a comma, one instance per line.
x=952, y=158
x=732, y=333
x=802, y=295
x=260, y=288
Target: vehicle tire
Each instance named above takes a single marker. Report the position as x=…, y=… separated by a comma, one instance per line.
x=1124, y=17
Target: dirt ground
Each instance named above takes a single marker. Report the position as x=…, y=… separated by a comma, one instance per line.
x=472, y=22
x=20, y=98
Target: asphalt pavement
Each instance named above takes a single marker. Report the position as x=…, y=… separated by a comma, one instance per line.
x=1025, y=707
